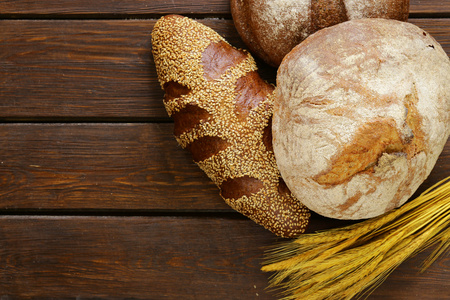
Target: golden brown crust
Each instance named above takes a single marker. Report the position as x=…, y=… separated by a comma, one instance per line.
x=271, y=28
x=222, y=111
x=370, y=141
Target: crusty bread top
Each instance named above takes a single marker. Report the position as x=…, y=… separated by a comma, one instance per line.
x=271, y=28
x=361, y=116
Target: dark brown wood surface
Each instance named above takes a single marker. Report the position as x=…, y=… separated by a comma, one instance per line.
x=106, y=63
x=167, y=257
x=97, y=201
x=113, y=8
x=115, y=166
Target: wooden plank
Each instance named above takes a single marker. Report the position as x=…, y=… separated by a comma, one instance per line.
x=98, y=69
x=109, y=166
x=160, y=258
x=101, y=69
x=137, y=258
x=132, y=7
x=100, y=166
x=60, y=68
x=112, y=7
x=441, y=7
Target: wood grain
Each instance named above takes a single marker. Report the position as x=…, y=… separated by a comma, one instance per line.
x=109, y=166
x=132, y=258
x=97, y=210
x=131, y=7
x=98, y=69
x=100, y=166
x=101, y=69
x=441, y=7
x=160, y=258
x=112, y=7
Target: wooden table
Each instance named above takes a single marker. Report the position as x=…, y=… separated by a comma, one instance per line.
x=97, y=200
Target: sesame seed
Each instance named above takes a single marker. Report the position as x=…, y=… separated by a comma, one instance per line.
x=178, y=44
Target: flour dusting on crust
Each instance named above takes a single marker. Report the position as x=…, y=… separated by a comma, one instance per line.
x=362, y=113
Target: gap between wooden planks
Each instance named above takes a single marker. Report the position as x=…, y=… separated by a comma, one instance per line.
x=112, y=8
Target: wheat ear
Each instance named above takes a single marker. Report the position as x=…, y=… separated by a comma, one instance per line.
x=352, y=261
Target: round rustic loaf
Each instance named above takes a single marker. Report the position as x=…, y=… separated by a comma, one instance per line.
x=361, y=114
x=271, y=28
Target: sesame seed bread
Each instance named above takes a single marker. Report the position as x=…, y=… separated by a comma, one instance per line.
x=359, y=125
x=271, y=28
x=222, y=114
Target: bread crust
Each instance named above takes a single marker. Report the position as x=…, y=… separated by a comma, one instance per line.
x=362, y=113
x=222, y=114
x=271, y=28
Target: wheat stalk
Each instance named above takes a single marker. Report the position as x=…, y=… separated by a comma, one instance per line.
x=352, y=261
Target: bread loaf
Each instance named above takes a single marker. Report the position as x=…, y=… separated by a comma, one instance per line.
x=271, y=28
x=362, y=112
x=222, y=114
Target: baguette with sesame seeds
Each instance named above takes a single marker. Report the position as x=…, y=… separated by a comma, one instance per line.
x=222, y=114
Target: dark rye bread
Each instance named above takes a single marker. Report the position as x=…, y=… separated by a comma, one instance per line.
x=271, y=28
x=222, y=114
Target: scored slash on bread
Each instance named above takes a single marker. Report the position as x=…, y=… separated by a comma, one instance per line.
x=222, y=114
